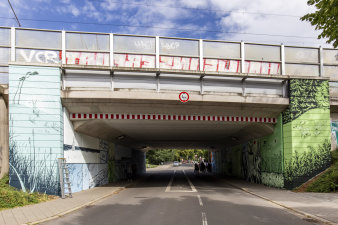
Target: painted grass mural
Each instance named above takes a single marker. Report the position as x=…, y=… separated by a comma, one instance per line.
x=36, y=133
x=306, y=131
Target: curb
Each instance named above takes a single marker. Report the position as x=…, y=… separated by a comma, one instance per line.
x=78, y=207
x=294, y=211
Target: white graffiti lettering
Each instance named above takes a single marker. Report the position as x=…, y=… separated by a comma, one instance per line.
x=134, y=61
x=168, y=45
x=39, y=56
x=143, y=44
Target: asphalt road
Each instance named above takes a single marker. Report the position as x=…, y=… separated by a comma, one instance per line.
x=177, y=196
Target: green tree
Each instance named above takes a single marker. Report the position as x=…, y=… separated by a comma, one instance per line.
x=325, y=19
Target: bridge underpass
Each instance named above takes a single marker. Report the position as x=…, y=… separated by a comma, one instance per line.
x=256, y=106
x=147, y=119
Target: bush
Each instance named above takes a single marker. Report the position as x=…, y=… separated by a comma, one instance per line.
x=10, y=197
x=328, y=181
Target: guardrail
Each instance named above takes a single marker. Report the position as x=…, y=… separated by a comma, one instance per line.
x=135, y=51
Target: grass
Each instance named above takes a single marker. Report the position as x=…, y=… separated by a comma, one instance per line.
x=328, y=181
x=151, y=165
x=11, y=197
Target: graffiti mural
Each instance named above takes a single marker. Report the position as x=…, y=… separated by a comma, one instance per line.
x=134, y=61
x=306, y=131
x=179, y=63
x=221, y=65
x=38, y=56
x=257, y=161
x=87, y=58
x=262, y=67
x=35, y=140
x=334, y=135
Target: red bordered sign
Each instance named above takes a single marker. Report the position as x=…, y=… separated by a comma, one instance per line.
x=184, y=96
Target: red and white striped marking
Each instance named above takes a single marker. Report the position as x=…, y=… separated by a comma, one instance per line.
x=123, y=116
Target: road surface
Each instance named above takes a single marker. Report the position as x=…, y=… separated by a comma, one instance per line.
x=177, y=196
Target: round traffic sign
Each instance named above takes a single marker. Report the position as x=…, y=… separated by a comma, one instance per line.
x=184, y=96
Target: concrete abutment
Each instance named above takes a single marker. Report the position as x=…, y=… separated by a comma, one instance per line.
x=298, y=149
x=4, y=152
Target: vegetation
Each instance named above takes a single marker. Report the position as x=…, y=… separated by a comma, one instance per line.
x=167, y=155
x=151, y=165
x=11, y=197
x=304, y=164
x=328, y=181
x=325, y=19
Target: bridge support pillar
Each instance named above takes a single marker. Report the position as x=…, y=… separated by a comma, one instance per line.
x=306, y=131
x=35, y=128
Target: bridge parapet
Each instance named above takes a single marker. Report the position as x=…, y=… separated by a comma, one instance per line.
x=116, y=51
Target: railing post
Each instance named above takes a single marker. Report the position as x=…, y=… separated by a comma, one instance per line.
x=13, y=39
x=321, y=62
x=63, y=46
x=201, y=85
x=158, y=84
x=282, y=54
x=242, y=57
x=243, y=86
x=112, y=86
x=157, y=52
x=201, y=54
x=111, y=50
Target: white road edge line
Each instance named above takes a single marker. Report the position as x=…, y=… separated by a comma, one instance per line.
x=200, y=200
x=204, y=219
x=193, y=189
x=170, y=182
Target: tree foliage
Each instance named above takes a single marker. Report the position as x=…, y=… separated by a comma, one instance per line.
x=167, y=155
x=325, y=19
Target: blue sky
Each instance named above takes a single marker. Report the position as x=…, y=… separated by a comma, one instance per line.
x=260, y=21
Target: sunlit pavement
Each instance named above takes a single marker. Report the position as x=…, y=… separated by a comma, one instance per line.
x=176, y=195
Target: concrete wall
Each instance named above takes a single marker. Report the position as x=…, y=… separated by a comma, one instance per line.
x=95, y=162
x=87, y=157
x=35, y=128
x=4, y=151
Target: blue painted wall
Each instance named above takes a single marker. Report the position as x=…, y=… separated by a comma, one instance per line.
x=36, y=128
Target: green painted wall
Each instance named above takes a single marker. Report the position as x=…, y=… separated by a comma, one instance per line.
x=298, y=148
x=259, y=160
x=306, y=131
x=271, y=148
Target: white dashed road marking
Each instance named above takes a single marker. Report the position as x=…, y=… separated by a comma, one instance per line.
x=200, y=200
x=193, y=189
x=170, y=182
x=204, y=219
x=168, y=189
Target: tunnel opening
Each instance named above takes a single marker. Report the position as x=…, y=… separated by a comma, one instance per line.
x=231, y=144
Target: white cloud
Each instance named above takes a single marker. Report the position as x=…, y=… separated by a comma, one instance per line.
x=75, y=11
x=234, y=20
x=255, y=19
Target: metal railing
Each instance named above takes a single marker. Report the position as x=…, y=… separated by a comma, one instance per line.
x=136, y=51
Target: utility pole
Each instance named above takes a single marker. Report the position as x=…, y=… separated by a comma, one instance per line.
x=16, y=18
